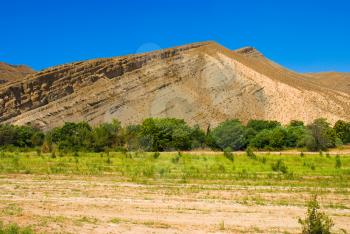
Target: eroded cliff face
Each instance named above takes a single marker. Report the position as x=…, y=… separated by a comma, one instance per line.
x=202, y=83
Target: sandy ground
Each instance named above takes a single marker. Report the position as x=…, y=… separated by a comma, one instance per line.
x=75, y=204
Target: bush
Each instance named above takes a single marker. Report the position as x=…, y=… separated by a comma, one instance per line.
x=316, y=222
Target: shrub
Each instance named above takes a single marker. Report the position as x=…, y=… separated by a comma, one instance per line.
x=228, y=154
x=279, y=166
x=316, y=222
x=156, y=155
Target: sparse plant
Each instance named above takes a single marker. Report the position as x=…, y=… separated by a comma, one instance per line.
x=338, y=163
x=109, y=161
x=53, y=154
x=315, y=222
x=176, y=159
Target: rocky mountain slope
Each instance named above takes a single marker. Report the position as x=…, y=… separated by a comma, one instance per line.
x=202, y=83
x=11, y=73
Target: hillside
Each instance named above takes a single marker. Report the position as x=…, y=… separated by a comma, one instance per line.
x=335, y=80
x=11, y=73
x=202, y=83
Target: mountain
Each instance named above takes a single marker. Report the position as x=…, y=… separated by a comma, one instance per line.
x=202, y=83
x=11, y=73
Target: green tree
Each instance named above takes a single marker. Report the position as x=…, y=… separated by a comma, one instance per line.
x=296, y=134
x=342, y=130
x=198, y=137
x=7, y=134
x=296, y=123
x=108, y=135
x=324, y=135
x=259, y=125
x=73, y=136
x=230, y=133
x=166, y=134
x=271, y=139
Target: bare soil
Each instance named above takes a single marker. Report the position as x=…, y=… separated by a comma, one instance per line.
x=76, y=204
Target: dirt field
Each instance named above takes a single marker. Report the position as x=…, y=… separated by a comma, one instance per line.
x=77, y=204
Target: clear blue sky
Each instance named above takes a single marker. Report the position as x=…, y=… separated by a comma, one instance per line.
x=303, y=35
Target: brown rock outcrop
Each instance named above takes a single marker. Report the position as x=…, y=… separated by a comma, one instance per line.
x=202, y=83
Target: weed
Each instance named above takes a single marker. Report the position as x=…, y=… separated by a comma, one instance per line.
x=222, y=225
x=12, y=209
x=13, y=228
x=115, y=220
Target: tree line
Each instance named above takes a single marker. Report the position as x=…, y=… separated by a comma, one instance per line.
x=168, y=134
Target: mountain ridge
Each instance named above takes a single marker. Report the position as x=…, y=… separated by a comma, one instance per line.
x=203, y=83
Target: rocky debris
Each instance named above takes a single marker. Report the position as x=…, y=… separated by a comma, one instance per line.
x=203, y=83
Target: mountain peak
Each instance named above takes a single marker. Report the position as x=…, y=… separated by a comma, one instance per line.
x=249, y=51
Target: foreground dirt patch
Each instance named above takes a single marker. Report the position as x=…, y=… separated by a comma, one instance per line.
x=78, y=204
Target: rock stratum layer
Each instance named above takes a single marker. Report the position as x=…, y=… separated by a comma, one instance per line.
x=202, y=83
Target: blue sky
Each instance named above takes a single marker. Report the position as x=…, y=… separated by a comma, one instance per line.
x=306, y=36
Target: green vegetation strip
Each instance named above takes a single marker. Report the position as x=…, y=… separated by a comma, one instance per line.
x=146, y=167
